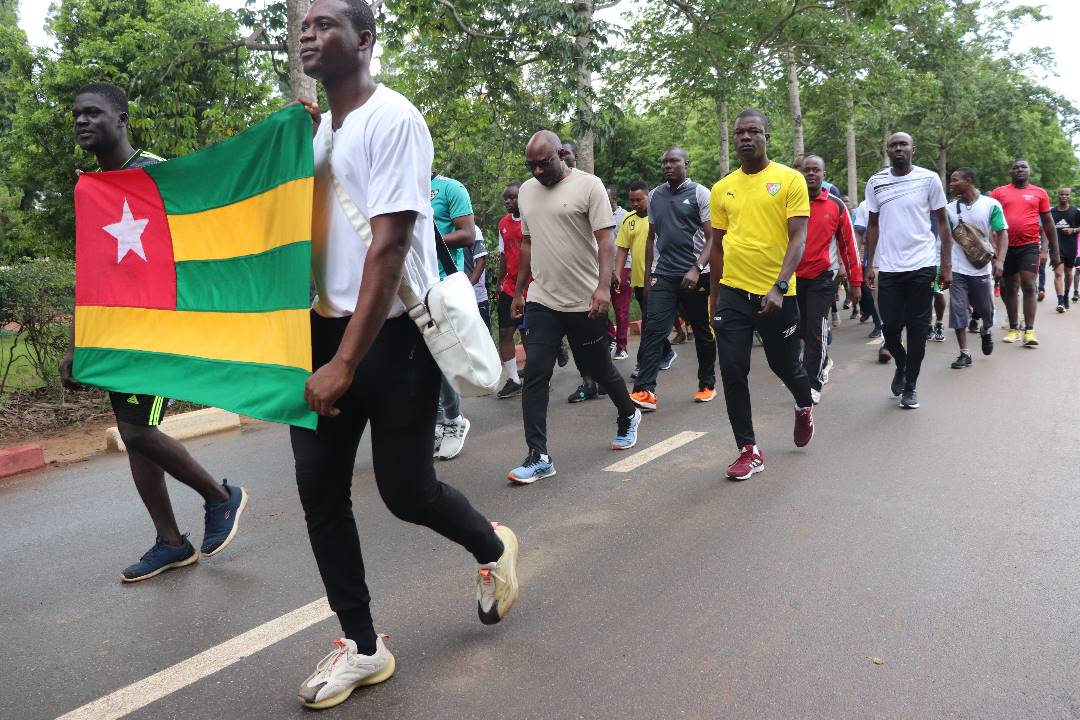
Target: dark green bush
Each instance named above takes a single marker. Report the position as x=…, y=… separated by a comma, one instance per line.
x=37, y=299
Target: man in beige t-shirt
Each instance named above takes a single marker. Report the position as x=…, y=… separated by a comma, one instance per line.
x=568, y=248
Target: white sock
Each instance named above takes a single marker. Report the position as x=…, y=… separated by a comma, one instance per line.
x=511, y=370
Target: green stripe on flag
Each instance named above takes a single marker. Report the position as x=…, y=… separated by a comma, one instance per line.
x=265, y=155
x=273, y=280
x=269, y=392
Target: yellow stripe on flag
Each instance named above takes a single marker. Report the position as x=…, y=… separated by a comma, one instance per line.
x=277, y=217
x=272, y=338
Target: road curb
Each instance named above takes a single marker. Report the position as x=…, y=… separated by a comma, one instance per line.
x=183, y=427
x=20, y=459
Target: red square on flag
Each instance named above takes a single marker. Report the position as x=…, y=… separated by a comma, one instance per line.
x=123, y=249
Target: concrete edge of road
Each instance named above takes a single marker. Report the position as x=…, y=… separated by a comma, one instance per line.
x=20, y=459
x=183, y=426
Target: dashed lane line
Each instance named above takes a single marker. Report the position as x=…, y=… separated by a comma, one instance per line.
x=651, y=453
x=140, y=694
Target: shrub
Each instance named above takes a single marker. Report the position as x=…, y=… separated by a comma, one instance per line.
x=37, y=298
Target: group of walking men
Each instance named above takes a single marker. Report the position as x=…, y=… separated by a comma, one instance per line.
x=759, y=255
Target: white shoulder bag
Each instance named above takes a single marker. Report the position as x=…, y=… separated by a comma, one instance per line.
x=447, y=316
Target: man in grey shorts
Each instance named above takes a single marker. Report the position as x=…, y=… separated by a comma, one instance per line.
x=973, y=287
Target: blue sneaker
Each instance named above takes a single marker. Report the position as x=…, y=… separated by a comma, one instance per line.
x=583, y=393
x=535, y=467
x=223, y=520
x=668, y=360
x=160, y=558
x=626, y=432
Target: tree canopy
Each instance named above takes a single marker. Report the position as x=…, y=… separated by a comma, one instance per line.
x=834, y=76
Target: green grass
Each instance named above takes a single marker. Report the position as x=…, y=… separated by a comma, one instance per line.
x=22, y=375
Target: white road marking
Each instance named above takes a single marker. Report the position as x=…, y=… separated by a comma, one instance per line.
x=651, y=453
x=140, y=694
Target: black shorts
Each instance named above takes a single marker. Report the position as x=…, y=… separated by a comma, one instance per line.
x=1067, y=261
x=485, y=313
x=506, y=318
x=142, y=410
x=1021, y=258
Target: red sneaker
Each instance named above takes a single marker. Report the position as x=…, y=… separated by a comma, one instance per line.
x=751, y=460
x=804, y=426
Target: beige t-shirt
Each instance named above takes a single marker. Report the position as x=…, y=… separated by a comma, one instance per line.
x=560, y=222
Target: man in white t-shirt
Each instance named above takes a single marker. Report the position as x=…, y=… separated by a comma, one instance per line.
x=973, y=287
x=902, y=253
x=371, y=363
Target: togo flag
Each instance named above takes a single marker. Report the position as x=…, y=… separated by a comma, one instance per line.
x=192, y=275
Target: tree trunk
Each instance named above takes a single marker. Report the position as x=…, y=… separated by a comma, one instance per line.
x=943, y=161
x=795, y=103
x=300, y=85
x=852, y=154
x=584, y=9
x=725, y=136
x=886, y=131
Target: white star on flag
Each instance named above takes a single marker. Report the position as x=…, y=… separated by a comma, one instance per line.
x=128, y=233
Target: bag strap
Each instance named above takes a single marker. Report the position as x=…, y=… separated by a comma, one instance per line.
x=362, y=227
x=449, y=267
x=959, y=217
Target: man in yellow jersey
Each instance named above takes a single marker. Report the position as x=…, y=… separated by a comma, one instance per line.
x=759, y=217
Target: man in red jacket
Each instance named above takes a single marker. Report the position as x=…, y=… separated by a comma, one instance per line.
x=830, y=253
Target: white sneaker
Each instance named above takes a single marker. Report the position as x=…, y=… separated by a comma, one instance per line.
x=453, y=438
x=826, y=370
x=815, y=395
x=497, y=583
x=344, y=670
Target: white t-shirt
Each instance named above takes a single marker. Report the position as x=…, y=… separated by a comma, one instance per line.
x=904, y=204
x=983, y=214
x=382, y=157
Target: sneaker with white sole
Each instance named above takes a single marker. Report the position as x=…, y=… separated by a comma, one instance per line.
x=343, y=670
x=535, y=467
x=668, y=360
x=497, y=584
x=825, y=371
x=223, y=519
x=453, y=438
x=160, y=558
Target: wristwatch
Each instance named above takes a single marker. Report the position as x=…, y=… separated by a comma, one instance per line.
x=782, y=286
x=700, y=267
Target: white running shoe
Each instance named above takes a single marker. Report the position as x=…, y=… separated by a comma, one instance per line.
x=826, y=370
x=453, y=438
x=497, y=583
x=344, y=670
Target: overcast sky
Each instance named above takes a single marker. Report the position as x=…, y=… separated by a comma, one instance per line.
x=1059, y=34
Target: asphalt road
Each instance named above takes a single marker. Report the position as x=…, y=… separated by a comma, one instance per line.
x=940, y=543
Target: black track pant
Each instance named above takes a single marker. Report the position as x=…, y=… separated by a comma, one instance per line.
x=905, y=300
x=395, y=389
x=735, y=318
x=815, y=297
x=589, y=341
x=665, y=299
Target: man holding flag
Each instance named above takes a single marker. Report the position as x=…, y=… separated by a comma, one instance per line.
x=101, y=127
x=373, y=156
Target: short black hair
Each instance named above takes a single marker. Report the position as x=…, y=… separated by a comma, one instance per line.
x=114, y=95
x=966, y=173
x=754, y=113
x=570, y=144
x=361, y=16
x=513, y=184
x=812, y=155
x=639, y=185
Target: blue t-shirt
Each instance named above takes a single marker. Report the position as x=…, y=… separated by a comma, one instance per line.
x=449, y=200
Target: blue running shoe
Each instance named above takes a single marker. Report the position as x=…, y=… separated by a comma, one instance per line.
x=536, y=467
x=160, y=558
x=223, y=520
x=626, y=432
x=668, y=360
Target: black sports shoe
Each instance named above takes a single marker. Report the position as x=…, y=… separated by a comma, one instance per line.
x=910, y=400
x=509, y=390
x=973, y=326
x=939, y=333
x=897, y=386
x=987, y=343
x=582, y=394
x=563, y=355
x=962, y=361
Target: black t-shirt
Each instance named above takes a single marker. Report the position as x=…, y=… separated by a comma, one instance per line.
x=1066, y=219
x=142, y=159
